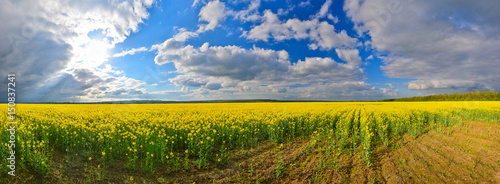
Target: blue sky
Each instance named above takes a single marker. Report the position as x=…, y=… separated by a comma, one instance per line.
x=249, y=49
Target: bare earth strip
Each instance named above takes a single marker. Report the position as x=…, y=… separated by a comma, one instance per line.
x=463, y=156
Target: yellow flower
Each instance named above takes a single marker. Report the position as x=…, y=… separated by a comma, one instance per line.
x=103, y=153
x=90, y=158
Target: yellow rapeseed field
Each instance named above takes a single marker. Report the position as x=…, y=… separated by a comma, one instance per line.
x=146, y=135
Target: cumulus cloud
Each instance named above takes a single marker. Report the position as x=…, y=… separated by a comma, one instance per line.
x=305, y=3
x=40, y=40
x=189, y=81
x=316, y=91
x=437, y=84
x=318, y=69
x=355, y=90
x=250, y=14
x=212, y=13
x=210, y=17
x=333, y=18
x=230, y=61
x=321, y=34
x=351, y=56
x=341, y=90
x=324, y=9
x=87, y=85
x=213, y=86
x=241, y=64
x=105, y=85
x=443, y=44
x=235, y=72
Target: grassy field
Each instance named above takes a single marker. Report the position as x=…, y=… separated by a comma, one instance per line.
x=330, y=142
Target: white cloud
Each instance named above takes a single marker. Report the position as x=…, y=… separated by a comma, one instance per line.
x=41, y=40
x=333, y=18
x=250, y=14
x=215, y=72
x=351, y=56
x=84, y=84
x=305, y=3
x=213, y=86
x=320, y=33
x=185, y=35
x=444, y=44
x=231, y=61
x=213, y=13
x=195, y=2
x=341, y=90
x=324, y=9
x=317, y=69
x=316, y=91
x=188, y=81
x=436, y=84
x=130, y=52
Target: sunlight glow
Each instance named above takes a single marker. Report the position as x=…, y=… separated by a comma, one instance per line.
x=94, y=54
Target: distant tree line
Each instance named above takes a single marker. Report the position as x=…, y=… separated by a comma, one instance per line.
x=470, y=96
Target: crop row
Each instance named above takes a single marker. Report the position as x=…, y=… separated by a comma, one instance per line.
x=180, y=135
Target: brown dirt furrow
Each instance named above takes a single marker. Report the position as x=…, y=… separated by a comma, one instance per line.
x=496, y=178
x=449, y=154
x=491, y=138
x=387, y=165
x=403, y=158
x=390, y=172
x=411, y=160
x=430, y=162
x=488, y=155
x=360, y=173
x=462, y=164
x=295, y=156
x=483, y=125
x=481, y=163
x=439, y=162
